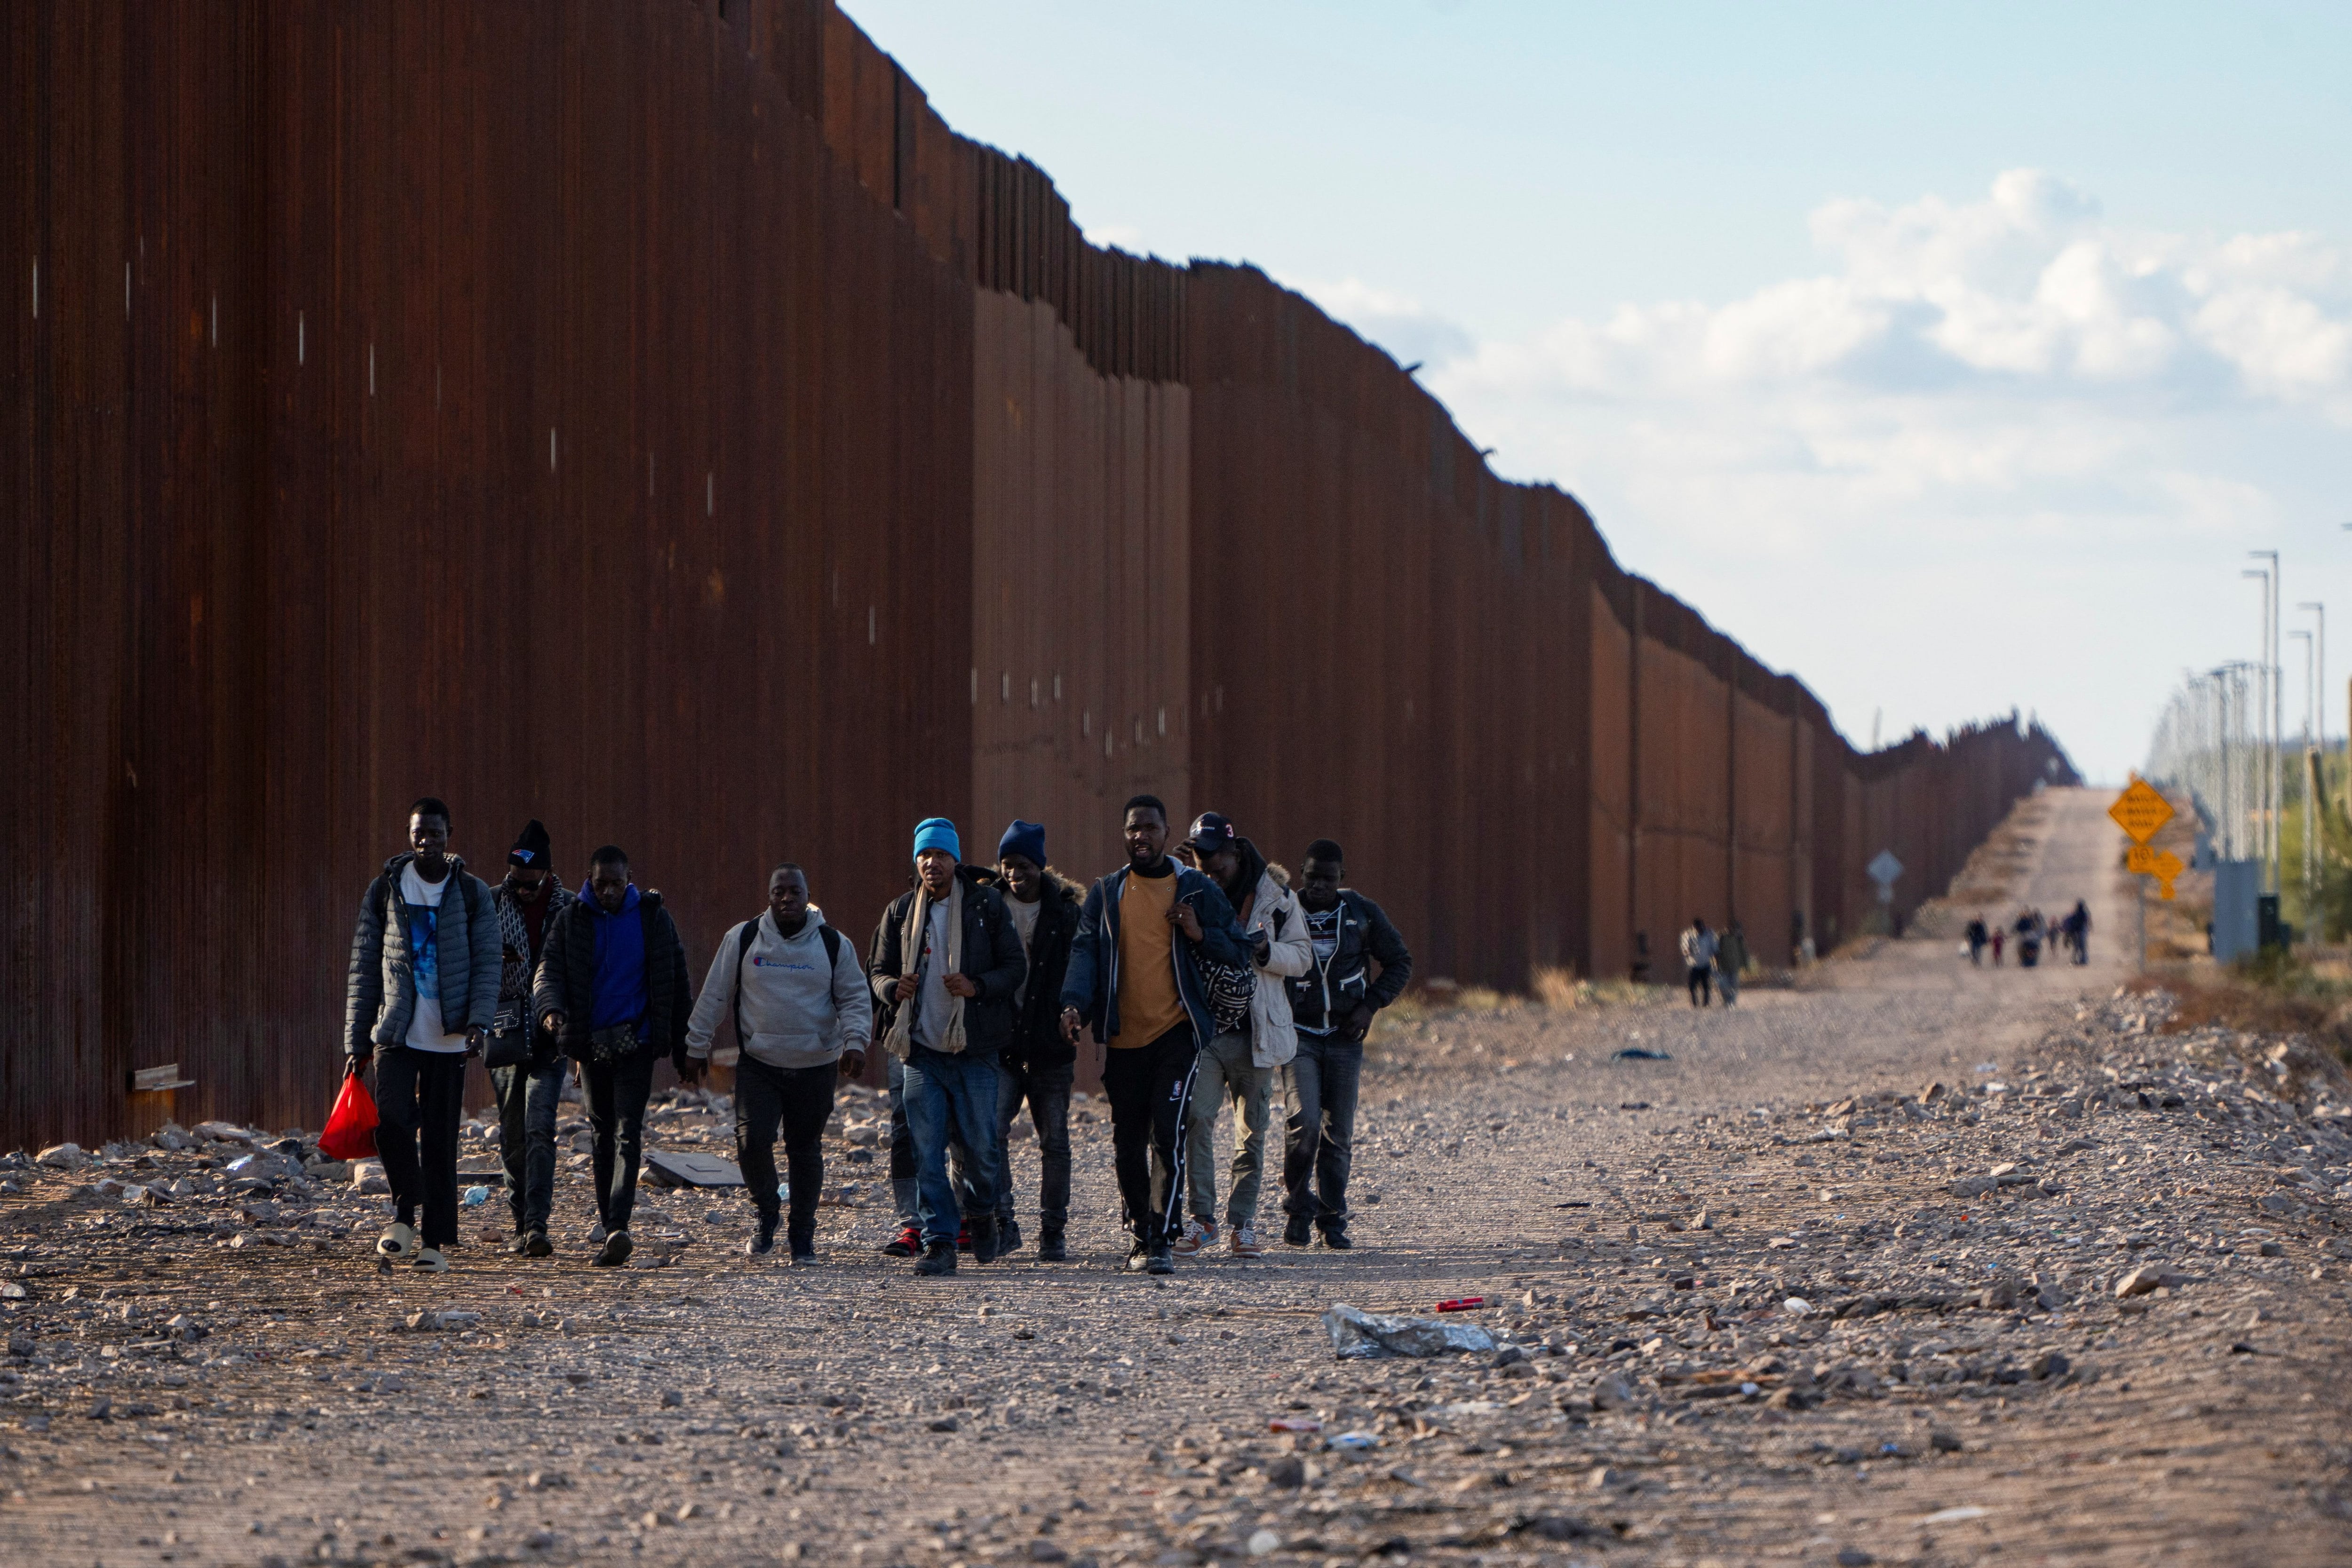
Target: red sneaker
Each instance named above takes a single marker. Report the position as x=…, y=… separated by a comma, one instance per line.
x=906, y=1243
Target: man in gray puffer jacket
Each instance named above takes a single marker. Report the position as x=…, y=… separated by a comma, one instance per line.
x=423, y=990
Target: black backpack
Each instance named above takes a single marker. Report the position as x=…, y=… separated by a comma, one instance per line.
x=750, y=929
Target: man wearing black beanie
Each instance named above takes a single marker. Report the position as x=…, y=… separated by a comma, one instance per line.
x=526, y=1068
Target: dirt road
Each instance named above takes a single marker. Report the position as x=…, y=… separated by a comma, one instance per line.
x=1835, y=1281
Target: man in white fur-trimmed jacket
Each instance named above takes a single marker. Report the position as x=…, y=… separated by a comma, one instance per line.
x=1242, y=1066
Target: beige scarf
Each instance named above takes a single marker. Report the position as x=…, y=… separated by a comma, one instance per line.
x=948, y=1040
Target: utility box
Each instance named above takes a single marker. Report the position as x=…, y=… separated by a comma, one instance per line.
x=2236, y=931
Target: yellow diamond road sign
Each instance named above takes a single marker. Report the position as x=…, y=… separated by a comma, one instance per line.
x=2140, y=811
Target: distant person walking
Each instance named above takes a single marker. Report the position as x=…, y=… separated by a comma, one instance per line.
x=526, y=1068
x=2078, y=931
x=1332, y=1007
x=613, y=990
x=422, y=991
x=1731, y=961
x=1699, y=947
x=1977, y=938
x=797, y=995
x=1998, y=935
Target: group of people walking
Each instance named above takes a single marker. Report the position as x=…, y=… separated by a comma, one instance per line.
x=1712, y=959
x=2033, y=932
x=1198, y=974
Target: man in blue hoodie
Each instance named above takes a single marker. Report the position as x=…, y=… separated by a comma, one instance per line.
x=1135, y=978
x=614, y=992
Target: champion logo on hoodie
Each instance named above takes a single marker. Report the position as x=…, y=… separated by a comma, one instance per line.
x=804, y=965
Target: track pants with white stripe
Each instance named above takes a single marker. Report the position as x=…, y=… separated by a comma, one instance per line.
x=1150, y=1089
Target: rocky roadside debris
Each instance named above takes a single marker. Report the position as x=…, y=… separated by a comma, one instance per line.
x=2045, y=1307
x=2113, y=1252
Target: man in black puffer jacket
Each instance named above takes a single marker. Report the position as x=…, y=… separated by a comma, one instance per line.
x=613, y=990
x=1039, y=1064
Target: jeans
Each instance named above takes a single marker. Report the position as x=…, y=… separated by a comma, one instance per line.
x=1699, y=975
x=950, y=1099
x=903, y=1196
x=1047, y=1090
x=1322, y=1128
x=617, y=1119
x=528, y=1095
x=1726, y=985
x=420, y=1095
x=801, y=1099
x=1227, y=1073
x=1148, y=1087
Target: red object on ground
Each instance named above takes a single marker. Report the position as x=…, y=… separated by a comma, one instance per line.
x=1461, y=1303
x=1294, y=1423
x=351, y=1126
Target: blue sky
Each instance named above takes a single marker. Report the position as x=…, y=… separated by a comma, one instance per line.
x=1951, y=357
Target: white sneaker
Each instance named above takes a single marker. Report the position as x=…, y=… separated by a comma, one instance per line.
x=397, y=1241
x=1196, y=1236
x=1244, y=1242
x=429, y=1259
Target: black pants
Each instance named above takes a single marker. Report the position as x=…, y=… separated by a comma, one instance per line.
x=1324, y=1079
x=1701, y=976
x=420, y=1096
x=1149, y=1088
x=801, y=1099
x=528, y=1094
x=1047, y=1090
x=616, y=1120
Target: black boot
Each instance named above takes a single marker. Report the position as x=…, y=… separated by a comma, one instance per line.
x=984, y=1247
x=764, y=1241
x=938, y=1257
x=1008, y=1235
x=1049, y=1246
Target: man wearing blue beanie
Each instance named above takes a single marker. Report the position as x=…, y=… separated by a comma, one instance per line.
x=946, y=965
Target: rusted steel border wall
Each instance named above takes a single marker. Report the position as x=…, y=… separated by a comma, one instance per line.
x=655, y=419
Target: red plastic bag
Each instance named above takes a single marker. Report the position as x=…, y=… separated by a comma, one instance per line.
x=351, y=1126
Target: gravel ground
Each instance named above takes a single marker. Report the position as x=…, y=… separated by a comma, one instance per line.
x=1916, y=1263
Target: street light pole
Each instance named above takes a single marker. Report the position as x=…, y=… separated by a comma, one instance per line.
x=2310, y=844
x=2278, y=723
x=2266, y=765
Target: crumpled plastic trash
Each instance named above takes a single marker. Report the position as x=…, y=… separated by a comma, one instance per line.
x=476, y=1196
x=1639, y=1053
x=1356, y=1335
x=1354, y=1445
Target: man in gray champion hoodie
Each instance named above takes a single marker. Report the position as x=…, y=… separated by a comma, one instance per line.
x=803, y=1016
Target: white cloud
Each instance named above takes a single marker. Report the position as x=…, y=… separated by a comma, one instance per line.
x=1968, y=395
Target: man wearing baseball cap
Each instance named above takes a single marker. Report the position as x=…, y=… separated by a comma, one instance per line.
x=1241, y=1061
